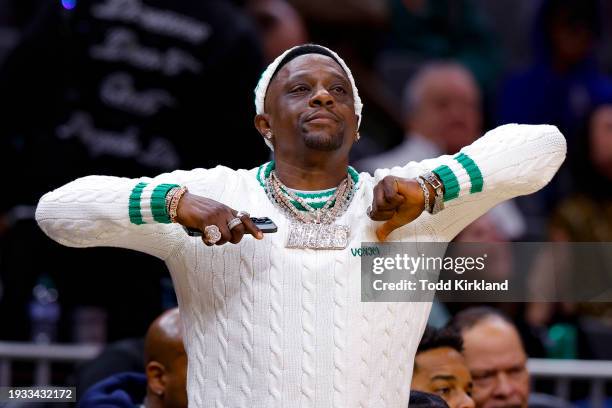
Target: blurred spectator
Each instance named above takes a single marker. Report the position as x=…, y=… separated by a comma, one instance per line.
x=559, y=87
x=125, y=88
x=164, y=382
x=446, y=29
x=495, y=357
x=563, y=80
x=497, y=361
x=586, y=216
x=279, y=24
x=420, y=399
x=442, y=113
x=439, y=368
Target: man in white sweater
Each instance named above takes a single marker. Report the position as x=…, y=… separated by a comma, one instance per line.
x=278, y=321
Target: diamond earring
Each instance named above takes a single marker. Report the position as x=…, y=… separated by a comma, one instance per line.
x=357, y=137
x=268, y=135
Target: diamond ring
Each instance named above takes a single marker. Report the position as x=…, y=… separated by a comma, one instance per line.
x=241, y=214
x=212, y=234
x=234, y=222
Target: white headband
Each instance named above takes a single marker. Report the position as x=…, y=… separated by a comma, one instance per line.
x=262, y=86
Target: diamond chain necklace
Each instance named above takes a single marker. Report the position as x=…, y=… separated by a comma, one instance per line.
x=324, y=215
x=313, y=228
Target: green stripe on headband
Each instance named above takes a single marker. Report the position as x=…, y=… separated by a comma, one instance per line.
x=448, y=178
x=472, y=170
x=134, y=204
x=158, y=203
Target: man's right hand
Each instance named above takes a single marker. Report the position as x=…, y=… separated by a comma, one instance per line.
x=199, y=212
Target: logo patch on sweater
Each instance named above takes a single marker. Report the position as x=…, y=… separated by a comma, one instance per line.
x=365, y=251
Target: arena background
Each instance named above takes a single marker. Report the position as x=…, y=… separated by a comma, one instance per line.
x=93, y=87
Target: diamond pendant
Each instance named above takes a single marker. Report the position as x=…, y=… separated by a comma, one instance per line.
x=317, y=236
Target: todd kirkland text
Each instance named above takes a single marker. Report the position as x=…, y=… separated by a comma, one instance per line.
x=445, y=285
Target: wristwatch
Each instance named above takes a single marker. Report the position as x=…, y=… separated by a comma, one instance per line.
x=433, y=180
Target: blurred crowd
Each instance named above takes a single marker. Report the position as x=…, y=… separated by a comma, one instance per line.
x=139, y=87
x=477, y=360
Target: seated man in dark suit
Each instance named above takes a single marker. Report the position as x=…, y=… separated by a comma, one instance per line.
x=163, y=385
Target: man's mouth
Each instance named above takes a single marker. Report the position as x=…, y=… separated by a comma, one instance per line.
x=321, y=117
x=321, y=120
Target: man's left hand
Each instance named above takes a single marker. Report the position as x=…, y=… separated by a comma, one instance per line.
x=397, y=201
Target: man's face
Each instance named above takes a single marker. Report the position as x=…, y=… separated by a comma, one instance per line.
x=448, y=110
x=442, y=371
x=572, y=41
x=495, y=356
x=310, y=107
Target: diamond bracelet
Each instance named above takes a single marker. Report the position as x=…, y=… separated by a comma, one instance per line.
x=174, y=196
x=425, y=193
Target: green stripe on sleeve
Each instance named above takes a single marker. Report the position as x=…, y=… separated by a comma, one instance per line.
x=158, y=203
x=449, y=179
x=472, y=170
x=134, y=204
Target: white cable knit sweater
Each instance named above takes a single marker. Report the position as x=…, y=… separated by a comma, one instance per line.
x=267, y=326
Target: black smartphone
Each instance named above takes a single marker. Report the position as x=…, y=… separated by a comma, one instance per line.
x=265, y=224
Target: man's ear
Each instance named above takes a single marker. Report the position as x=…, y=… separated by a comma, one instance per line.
x=263, y=124
x=156, y=377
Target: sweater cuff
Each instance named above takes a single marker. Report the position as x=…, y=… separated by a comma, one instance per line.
x=147, y=203
x=460, y=176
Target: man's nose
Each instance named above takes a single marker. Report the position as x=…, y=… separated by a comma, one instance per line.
x=321, y=98
x=504, y=386
x=458, y=109
x=466, y=402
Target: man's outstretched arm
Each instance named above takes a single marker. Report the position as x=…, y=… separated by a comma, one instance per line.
x=133, y=213
x=109, y=211
x=508, y=161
